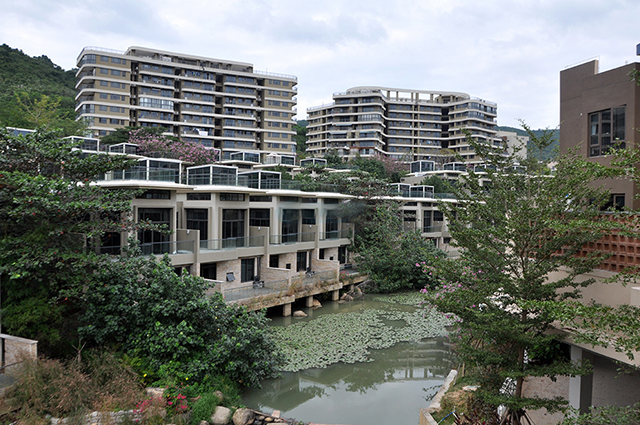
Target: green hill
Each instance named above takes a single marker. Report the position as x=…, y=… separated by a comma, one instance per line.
x=548, y=154
x=34, y=91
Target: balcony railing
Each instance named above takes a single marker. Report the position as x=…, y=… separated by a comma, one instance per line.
x=169, y=247
x=432, y=229
x=231, y=243
x=335, y=234
x=292, y=238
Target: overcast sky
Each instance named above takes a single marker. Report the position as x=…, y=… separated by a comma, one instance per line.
x=506, y=51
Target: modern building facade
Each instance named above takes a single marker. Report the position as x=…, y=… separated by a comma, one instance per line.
x=598, y=109
x=410, y=125
x=218, y=103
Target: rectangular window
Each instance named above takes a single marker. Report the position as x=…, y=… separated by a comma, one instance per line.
x=247, y=271
x=155, y=194
x=437, y=216
x=232, y=196
x=301, y=261
x=309, y=200
x=198, y=220
x=259, y=217
x=606, y=128
x=104, y=83
x=308, y=217
x=274, y=261
x=233, y=225
x=331, y=201
x=198, y=196
x=208, y=271
x=321, y=254
x=151, y=241
x=259, y=198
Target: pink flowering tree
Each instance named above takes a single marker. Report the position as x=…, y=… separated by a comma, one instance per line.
x=170, y=147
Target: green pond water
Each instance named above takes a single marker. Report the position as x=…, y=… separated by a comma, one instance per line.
x=357, y=385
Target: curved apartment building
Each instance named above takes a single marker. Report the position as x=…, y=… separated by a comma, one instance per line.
x=221, y=104
x=411, y=125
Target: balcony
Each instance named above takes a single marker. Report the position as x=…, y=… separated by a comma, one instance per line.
x=292, y=238
x=169, y=247
x=231, y=243
x=335, y=234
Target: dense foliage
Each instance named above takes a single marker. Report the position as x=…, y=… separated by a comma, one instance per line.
x=50, y=215
x=300, y=127
x=141, y=306
x=513, y=235
x=36, y=92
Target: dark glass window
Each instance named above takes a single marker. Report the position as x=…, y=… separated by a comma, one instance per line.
x=301, y=263
x=331, y=201
x=259, y=217
x=198, y=196
x=198, y=220
x=155, y=194
x=208, y=271
x=290, y=222
x=606, y=128
x=247, y=269
x=274, y=261
x=151, y=241
x=437, y=216
x=232, y=196
x=259, y=198
x=233, y=225
x=308, y=216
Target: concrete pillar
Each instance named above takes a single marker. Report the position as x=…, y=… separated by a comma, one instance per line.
x=335, y=295
x=286, y=309
x=310, y=301
x=581, y=387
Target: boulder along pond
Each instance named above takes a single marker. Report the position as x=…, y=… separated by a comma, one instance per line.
x=373, y=361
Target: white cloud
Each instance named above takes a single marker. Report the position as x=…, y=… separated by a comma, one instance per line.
x=506, y=51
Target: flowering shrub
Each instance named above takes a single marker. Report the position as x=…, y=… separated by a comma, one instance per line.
x=195, y=153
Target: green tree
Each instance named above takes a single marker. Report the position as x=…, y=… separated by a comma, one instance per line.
x=49, y=211
x=439, y=185
x=141, y=306
x=389, y=255
x=512, y=238
x=301, y=137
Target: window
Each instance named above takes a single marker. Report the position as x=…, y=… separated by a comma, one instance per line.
x=331, y=224
x=233, y=225
x=290, y=221
x=154, y=240
x=198, y=220
x=232, y=196
x=605, y=128
x=198, y=196
x=259, y=198
x=309, y=200
x=437, y=216
x=208, y=271
x=104, y=83
x=247, y=271
x=331, y=201
x=308, y=217
x=274, y=261
x=301, y=261
x=289, y=199
x=155, y=194
x=259, y=217
x=321, y=254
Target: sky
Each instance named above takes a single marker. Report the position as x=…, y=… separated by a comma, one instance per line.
x=507, y=51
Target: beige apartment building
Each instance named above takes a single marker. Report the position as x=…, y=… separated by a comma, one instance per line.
x=221, y=104
x=411, y=125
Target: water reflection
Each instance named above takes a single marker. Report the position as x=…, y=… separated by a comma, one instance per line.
x=388, y=389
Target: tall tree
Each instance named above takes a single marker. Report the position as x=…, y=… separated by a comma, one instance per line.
x=49, y=211
x=513, y=234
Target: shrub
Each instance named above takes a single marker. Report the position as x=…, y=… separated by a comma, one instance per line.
x=72, y=388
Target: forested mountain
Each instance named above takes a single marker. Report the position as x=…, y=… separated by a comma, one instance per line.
x=550, y=153
x=34, y=92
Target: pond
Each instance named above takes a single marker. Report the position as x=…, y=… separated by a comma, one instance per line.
x=384, y=386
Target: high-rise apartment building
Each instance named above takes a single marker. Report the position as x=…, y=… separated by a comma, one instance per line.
x=411, y=125
x=218, y=103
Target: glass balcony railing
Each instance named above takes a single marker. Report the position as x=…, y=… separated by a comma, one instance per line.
x=335, y=234
x=169, y=247
x=292, y=238
x=231, y=243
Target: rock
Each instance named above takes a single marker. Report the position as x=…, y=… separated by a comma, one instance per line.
x=316, y=304
x=155, y=392
x=243, y=417
x=261, y=418
x=268, y=419
x=219, y=395
x=276, y=414
x=299, y=313
x=221, y=416
x=204, y=423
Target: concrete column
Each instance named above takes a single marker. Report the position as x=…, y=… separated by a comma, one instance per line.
x=286, y=310
x=310, y=301
x=581, y=387
x=335, y=295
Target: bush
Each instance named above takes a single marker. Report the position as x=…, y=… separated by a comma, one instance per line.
x=173, y=330
x=72, y=388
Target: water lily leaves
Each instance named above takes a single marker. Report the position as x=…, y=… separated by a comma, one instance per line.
x=348, y=337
